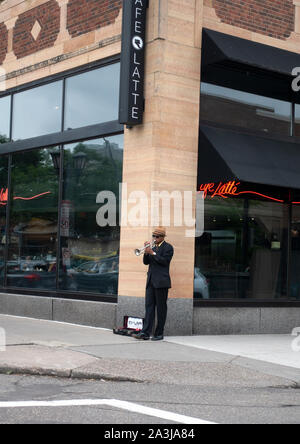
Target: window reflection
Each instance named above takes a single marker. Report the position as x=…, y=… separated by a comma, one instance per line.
x=37, y=111
x=4, y=119
x=297, y=121
x=92, y=97
x=89, y=252
x=295, y=253
x=245, y=110
x=3, y=205
x=243, y=251
x=33, y=221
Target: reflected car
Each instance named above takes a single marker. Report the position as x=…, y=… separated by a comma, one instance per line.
x=201, y=286
x=29, y=274
x=33, y=265
x=98, y=276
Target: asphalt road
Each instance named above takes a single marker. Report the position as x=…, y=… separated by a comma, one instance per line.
x=94, y=377
x=217, y=404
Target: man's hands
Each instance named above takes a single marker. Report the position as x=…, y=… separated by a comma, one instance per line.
x=148, y=250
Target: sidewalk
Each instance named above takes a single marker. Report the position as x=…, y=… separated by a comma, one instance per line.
x=49, y=348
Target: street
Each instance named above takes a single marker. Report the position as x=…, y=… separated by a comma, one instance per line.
x=58, y=373
x=222, y=405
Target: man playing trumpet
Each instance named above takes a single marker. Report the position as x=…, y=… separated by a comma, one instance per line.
x=158, y=258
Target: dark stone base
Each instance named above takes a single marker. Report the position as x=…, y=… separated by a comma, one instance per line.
x=245, y=320
x=179, y=319
x=94, y=314
x=183, y=319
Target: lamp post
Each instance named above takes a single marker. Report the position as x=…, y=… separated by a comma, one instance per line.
x=67, y=211
x=55, y=155
x=79, y=161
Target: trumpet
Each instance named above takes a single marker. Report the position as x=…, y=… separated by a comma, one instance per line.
x=140, y=251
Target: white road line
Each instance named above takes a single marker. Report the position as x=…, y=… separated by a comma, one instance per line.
x=156, y=412
x=124, y=405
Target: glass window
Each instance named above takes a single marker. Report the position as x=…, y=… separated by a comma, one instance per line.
x=37, y=111
x=297, y=121
x=295, y=253
x=243, y=251
x=33, y=221
x=245, y=110
x=3, y=205
x=90, y=246
x=4, y=119
x=92, y=97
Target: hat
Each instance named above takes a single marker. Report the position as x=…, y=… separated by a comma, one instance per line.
x=160, y=230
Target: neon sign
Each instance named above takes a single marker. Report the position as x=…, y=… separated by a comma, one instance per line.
x=229, y=189
x=221, y=189
x=4, y=196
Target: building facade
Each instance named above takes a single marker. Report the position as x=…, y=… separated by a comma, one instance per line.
x=220, y=124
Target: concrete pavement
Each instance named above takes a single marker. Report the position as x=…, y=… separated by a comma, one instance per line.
x=57, y=349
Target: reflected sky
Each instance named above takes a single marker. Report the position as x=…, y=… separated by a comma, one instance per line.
x=37, y=111
x=116, y=142
x=297, y=113
x=268, y=104
x=4, y=116
x=92, y=97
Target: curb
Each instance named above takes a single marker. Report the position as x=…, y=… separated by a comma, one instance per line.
x=68, y=374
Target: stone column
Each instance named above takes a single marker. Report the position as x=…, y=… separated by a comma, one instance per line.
x=63, y=33
x=161, y=155
x=297, y=16
x=10, y=56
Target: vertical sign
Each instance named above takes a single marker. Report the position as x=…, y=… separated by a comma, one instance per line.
x=132, y=62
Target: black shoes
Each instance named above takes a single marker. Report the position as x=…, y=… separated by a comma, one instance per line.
x=141, y=335
x=144, y=337
x=157, y=338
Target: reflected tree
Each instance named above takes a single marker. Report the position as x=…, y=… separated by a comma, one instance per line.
x=3, y=139
x=102, y=171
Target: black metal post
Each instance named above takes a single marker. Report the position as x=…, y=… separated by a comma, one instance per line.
x=7, y=222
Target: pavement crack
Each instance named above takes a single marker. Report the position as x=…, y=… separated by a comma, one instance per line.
x=232, y=360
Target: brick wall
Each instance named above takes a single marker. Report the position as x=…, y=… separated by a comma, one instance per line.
x=48, y=18
x=3, y=42
x=274, y=18
x=38, y=27
x=88, y=15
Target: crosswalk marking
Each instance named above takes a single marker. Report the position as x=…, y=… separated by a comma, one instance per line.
x=124, y=405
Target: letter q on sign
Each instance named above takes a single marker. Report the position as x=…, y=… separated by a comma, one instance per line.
x=137, y=43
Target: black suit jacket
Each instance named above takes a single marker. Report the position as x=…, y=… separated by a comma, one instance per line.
x=159, y=266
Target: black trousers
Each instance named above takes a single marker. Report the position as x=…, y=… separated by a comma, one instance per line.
x=156, y=298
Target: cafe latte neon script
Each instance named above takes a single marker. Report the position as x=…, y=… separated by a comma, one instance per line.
x=230, y=189
x=220, y=189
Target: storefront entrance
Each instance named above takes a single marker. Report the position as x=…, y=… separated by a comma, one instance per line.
x=54, y=162
x=248, y=172
x=250, y=248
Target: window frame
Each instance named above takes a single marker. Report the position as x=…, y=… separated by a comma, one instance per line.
x=255, y=303
x=248, y=130
x=58, y=140
x=61, y=137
